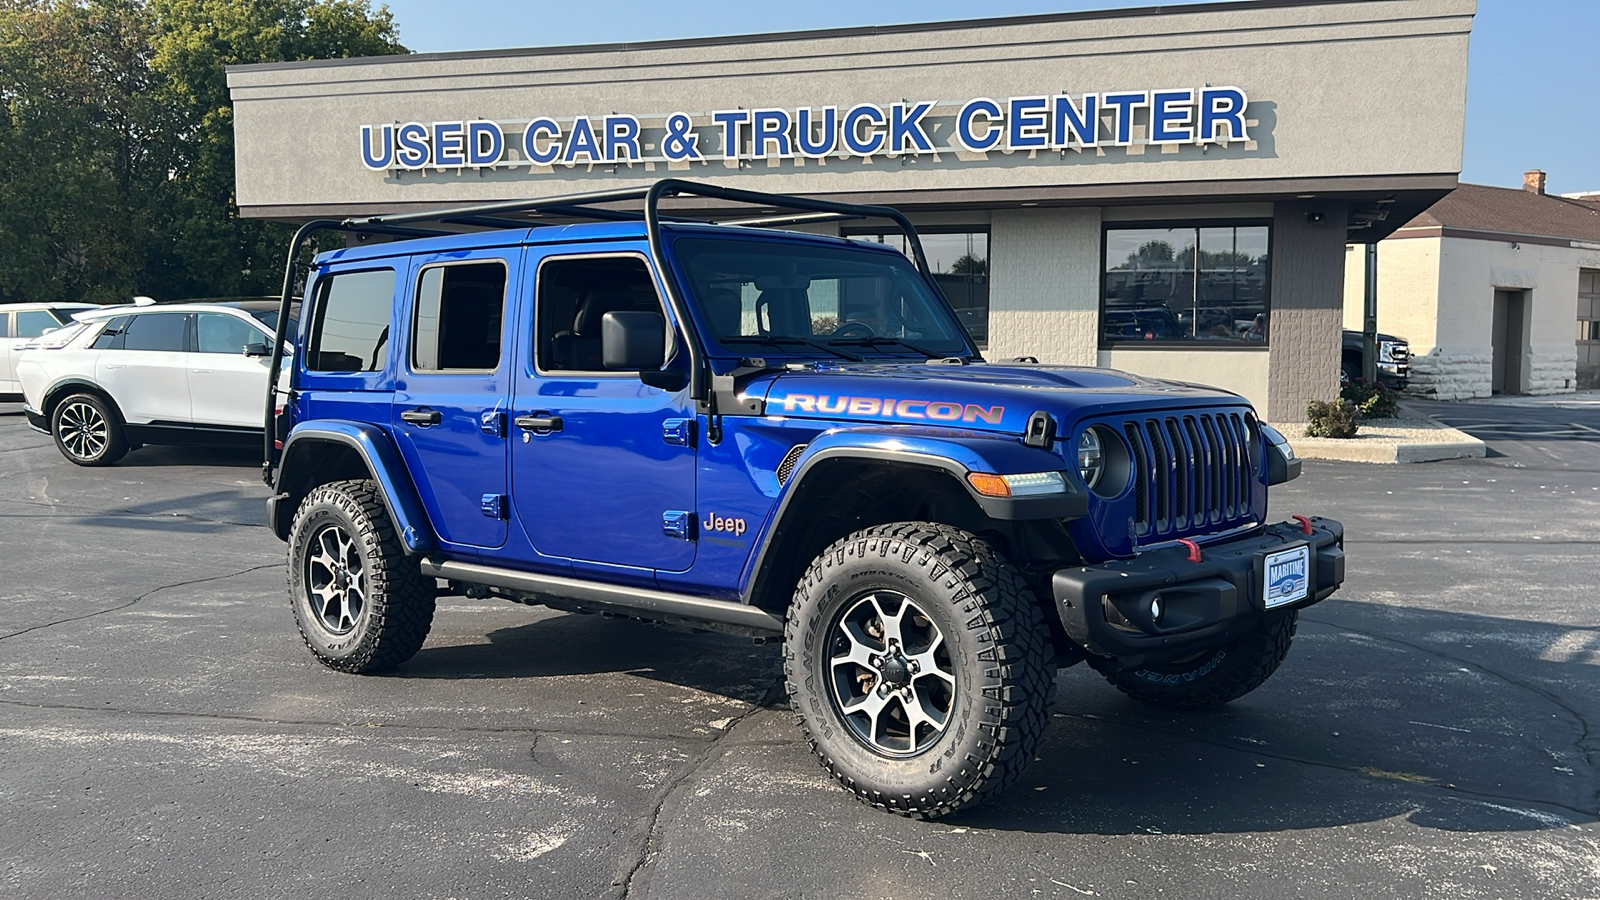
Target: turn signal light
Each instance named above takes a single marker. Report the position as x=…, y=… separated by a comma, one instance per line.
x=1028, y=484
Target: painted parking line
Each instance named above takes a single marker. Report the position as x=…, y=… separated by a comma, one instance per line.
x=1518, y=430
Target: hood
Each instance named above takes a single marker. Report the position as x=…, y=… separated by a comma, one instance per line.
x=983, y=397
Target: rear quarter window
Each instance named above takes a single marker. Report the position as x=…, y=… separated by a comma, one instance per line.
x=350, y=326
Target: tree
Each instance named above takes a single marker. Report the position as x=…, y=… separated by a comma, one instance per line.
x=116, y=140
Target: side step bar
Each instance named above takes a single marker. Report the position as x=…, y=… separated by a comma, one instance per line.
x=638, y=601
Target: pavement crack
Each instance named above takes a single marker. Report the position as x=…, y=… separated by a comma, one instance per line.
x=1583, y=740
x=1348, y=768
x=714, y=751
x=152, y=591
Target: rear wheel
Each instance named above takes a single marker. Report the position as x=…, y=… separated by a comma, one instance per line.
x=919, y=667
x=88, y=431
x=1216, y=676
x=361, y=605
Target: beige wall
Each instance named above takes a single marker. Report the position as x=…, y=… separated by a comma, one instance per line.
x=1243, y=371
x=1044, y=290
x=1303, y=66
x=1438, y=293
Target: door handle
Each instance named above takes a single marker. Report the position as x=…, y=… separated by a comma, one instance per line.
x=545, y=424
x=203, y=371
x=116, y=366
x=423, y=417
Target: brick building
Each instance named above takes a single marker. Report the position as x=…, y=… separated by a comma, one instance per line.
x=1487, y=286
x=1166, y=191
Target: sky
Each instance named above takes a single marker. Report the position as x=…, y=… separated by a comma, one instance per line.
x=1533, y=79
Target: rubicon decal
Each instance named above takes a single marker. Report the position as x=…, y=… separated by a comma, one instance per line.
x=891, y=408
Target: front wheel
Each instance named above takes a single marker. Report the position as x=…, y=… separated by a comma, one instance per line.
x=361, y=605
x=1216, y=676
x=918, y=666
x=88, y=431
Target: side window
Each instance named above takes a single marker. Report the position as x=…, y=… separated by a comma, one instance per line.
x=222, y=333
x=574, y=295
x=110, y=337
x=34, y=322
x=350, y=328
x=459, y=310
x=156, y=331
x=5, y=324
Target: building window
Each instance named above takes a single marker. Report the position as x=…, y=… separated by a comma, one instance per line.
x=959, y=259
x=1187, y=284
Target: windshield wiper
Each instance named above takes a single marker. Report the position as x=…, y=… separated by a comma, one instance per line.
x=877, y=339
x=779, y=340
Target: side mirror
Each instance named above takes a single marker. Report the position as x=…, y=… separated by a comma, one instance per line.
x=256, y=349
x=633, y=341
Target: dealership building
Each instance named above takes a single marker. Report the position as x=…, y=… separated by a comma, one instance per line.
x=1167, y=191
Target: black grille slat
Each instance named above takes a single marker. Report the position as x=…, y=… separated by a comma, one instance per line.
x=1141, y=479
x=1192, y=470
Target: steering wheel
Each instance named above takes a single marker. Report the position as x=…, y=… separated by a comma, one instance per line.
x=862, y=329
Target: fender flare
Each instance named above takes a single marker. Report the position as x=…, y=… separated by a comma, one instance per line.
x=64, y=386
x=955, y=452
x=382, y=459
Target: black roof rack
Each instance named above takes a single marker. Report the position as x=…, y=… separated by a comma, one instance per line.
x=592, y=206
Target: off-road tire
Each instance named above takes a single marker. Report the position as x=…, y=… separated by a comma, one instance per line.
x=1214, y=678
x=88, y=430
x=999, y=652
x=396, y=602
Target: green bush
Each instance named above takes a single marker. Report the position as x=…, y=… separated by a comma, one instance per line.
x=1332, y=419
x=1373, y=399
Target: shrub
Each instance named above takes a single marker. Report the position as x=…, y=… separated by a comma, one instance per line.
x=1373, y=399
x=1332, y=419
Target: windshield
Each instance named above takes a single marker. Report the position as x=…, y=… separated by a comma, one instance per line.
x=812, y=300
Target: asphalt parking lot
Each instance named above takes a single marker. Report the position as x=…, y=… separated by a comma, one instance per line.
x=164, y=733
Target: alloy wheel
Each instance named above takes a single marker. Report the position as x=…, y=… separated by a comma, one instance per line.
x=890, y=672
x=336, y=580
x=83, y=430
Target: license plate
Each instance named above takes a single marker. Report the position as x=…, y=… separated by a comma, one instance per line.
x=1287, y=576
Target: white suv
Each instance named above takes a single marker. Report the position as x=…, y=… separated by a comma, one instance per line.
x=160, y=374
x=27, y=320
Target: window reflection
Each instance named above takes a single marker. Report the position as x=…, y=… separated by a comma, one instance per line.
x=960, y=264
x=1187, y=283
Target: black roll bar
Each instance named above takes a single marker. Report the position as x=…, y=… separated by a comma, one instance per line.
x=430, y=223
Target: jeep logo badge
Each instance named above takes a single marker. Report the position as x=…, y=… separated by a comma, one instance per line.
x=714, y=522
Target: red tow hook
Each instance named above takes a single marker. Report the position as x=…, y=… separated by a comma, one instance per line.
x=1305, y=523
x=1194, y=549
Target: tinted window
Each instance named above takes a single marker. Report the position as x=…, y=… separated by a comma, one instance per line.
x=575, y=295
x=458, y=316
x=960, y=264
x=110, y=337
x=5, y=325
x=35, y=322
x=222, y=333
x=269, y=318
x=1186, y=284
x=350, y=331
x=155, y=331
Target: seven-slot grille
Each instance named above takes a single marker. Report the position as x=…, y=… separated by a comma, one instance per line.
x=1191, y=471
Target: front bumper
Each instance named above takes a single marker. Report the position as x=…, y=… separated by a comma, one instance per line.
x=37, y=420
x=1107, y=609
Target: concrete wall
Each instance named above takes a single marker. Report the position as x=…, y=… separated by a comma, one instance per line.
x=1244, y=371
x=1438, y=293
x=1337, y=90
x=1044, y=290
x=1307, y=300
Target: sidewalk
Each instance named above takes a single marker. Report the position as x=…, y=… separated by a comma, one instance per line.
x=1573, y=400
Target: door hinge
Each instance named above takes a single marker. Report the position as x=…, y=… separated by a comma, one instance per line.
x=493, y=505
x=492, y=422
x=678, y=432
x=678, y=523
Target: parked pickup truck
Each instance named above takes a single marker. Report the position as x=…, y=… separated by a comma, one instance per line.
x=775, y=434
x=1394, y=359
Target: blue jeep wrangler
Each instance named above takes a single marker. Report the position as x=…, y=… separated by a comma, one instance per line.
x=776, y=434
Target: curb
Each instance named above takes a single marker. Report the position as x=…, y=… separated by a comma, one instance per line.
x=1450, y=444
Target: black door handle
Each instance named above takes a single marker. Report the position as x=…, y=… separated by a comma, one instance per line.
x=423, y=417
x=539, y=424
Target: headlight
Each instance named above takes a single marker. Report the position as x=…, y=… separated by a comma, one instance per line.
x=1091, y=458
